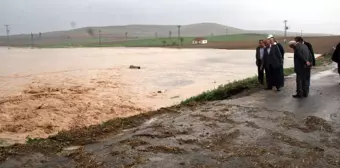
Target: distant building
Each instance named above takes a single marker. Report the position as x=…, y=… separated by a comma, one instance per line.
x=199, y=40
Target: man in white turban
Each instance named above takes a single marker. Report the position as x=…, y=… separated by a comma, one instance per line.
x=272, y=62
x=282, y=52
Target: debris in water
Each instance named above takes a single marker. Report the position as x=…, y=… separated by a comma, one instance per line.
x=134, y=67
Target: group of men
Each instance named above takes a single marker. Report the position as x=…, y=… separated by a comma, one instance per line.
x=270, y=59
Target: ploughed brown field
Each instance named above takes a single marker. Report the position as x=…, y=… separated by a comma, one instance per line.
x=321, y=45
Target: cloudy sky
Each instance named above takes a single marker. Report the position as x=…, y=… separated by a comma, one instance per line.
x=25, y=16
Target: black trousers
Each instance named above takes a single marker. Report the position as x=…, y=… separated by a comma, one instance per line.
x=260, y=75
x=302, y=82
x=282, y=76
x=273, y=77
x=339, y=68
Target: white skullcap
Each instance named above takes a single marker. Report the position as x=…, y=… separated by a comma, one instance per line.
x=270, y=36
x=292, y=42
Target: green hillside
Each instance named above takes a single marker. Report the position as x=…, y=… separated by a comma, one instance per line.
x=112, y=34
x=159, y=42
x=186, y=40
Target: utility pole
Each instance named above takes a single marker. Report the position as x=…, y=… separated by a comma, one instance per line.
x=7, y=34
x=170, y=34
x=285, y=29
x=179, y=31
x=126, y=36
x=301, y=33
x=100, y=37
x=32, y=40
x=156, y=35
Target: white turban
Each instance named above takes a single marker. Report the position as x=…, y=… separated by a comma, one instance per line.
x=292, y=42
x=270, y=36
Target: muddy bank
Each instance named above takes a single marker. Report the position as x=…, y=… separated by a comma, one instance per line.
x=210, y=135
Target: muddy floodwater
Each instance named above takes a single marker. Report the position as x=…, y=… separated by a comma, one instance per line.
x=43, y=91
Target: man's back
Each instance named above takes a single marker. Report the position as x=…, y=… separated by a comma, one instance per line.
x=282, y=51
x=301, y=56
x=310, y=48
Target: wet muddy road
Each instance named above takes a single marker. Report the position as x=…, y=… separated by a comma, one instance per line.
x=266, y=129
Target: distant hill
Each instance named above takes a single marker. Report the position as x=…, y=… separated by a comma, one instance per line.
x=117, y=33
x=192, y=30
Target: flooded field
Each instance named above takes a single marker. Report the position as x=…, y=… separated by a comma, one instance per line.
x=43, y=91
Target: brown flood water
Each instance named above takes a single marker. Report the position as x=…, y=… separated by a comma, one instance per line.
x=43, y=91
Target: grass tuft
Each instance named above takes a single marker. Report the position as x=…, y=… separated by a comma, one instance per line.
x=225, y=91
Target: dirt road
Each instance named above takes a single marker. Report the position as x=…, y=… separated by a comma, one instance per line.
x=265, y=129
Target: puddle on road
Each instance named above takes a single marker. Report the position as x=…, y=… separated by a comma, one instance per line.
x=322, y=74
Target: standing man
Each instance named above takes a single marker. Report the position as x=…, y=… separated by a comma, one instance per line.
x=302, y=66
x=310, y=48
x=282, y=51
x=259, y=61
x=272, y=61
x=275, y=42
x=336, y=56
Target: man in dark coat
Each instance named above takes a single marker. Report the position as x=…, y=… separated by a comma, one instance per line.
x=336, y=56
x=310, y=47
x=282, y=51
x=259, y=61
x=302, y=64
x=272, y=61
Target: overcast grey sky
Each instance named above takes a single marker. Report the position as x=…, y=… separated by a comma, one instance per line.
x=25, y=16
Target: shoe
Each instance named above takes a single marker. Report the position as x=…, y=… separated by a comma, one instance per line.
x=297, y=96
x=268, y=89
x=278, y=88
